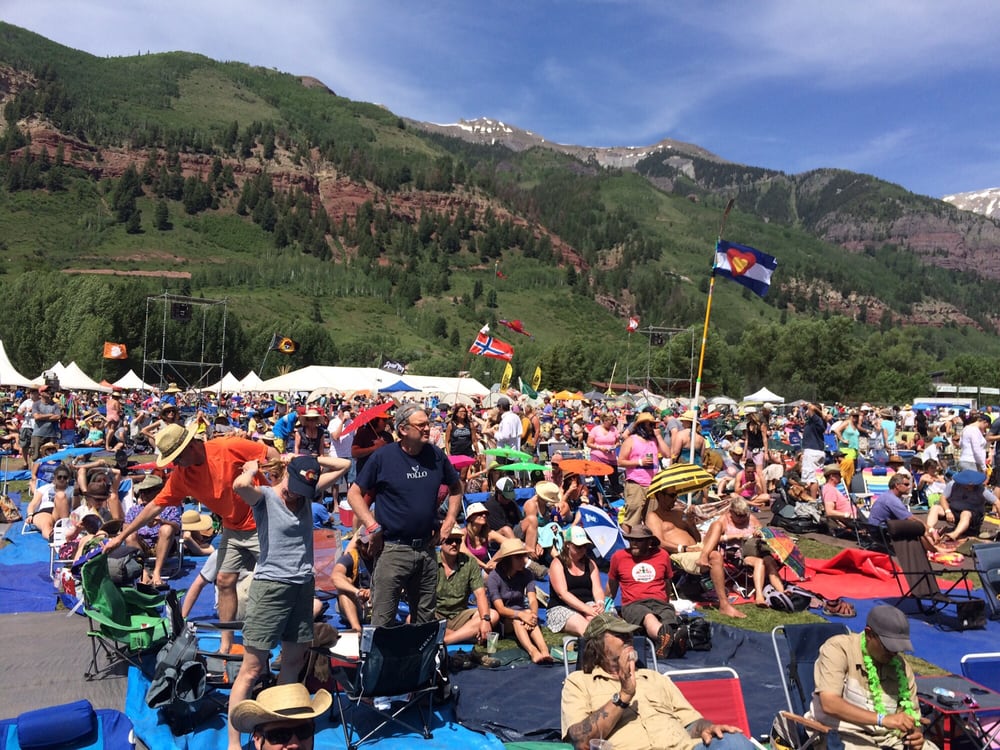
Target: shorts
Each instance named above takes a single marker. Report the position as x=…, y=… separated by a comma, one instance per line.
x=635, y=503
x=238, y=550
x=812, y=465
x=557, y=617
x=636, y=612
x=454, y=623
x=279, y=612
x=687, y=561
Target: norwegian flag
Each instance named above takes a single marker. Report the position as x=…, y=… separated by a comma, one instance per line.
x=633, y=324
x=487, y=346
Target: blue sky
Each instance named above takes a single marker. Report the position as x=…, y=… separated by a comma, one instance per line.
x=906, y=90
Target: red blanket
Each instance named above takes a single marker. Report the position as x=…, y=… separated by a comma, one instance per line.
x=854, y=573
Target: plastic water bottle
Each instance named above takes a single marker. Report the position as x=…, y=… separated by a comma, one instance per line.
x=941, y=692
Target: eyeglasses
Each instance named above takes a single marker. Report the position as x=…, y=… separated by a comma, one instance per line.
x=453, y=540
x=283, y=735
x=422, y=426
x=62, y=476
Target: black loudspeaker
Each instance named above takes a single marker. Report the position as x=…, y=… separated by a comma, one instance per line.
x=181, y=312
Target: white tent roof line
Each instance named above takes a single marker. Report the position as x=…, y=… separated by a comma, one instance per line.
x=366, y=378
x=132, y=382
x=8, y=375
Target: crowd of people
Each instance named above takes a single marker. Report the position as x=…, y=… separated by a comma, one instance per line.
x=270, y=468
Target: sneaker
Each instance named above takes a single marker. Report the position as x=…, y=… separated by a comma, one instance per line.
x=543, y=598
x=663, y=648
x=485, y=660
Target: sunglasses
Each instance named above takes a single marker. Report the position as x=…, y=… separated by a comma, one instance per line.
x=283, y=735
x=62, y=476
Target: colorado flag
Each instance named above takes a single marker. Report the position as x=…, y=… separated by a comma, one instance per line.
x=745, y=265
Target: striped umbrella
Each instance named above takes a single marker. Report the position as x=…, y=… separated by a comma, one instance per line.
x=680, y=478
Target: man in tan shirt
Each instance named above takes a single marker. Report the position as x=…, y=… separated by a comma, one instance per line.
x=635, y=709
x=843, y=698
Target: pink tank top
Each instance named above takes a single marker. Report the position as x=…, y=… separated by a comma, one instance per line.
x=480, y=553
x=641, y=475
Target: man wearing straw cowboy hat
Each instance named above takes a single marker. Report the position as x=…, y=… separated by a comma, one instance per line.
x=206, y=471
x=279, y=714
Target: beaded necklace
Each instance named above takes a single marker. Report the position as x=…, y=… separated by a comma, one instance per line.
x=875, y=684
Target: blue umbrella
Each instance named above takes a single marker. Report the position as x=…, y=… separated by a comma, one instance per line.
x=68, y=453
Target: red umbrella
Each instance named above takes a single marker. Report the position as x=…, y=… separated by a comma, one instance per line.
x=366, y=416
x=460, y=461
x=585, y=467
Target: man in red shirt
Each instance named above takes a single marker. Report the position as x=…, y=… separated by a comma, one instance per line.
x=206, y=471
x=643, y=572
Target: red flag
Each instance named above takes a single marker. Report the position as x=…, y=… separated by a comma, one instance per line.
x=633, y=324
x=515, y=325
x=487, y=346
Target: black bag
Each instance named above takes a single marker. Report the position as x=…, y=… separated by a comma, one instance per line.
x=699, y=633
x=971, y=614
x=125, y=565
x=792, y=599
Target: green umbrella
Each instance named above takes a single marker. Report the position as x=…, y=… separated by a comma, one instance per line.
x=522, y=466
x=508, y=453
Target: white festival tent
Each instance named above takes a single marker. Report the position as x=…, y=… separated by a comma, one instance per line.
x=763, y=396
x=72, y=378
x=251, y=382
x=132, y=382
x=366, y=378
x=229, y=384
x=8, y=375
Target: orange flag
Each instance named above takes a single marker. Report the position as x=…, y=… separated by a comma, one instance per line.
x=115, y=351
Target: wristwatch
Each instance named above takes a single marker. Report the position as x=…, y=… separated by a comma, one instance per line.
x=617, y=700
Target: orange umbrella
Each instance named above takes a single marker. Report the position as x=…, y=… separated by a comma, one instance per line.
x=585, y=467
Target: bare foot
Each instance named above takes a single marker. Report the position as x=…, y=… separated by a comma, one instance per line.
x=540, y=657
x=728, y=610
x=157, y=582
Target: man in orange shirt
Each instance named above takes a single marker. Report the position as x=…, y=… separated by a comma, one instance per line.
x=206, y=471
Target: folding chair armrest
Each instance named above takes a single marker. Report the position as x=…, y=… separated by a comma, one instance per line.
x=121, y=627
x=222, y=624
x=806, y=722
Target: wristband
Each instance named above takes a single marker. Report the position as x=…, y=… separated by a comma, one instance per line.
x=374, y=529
x=881, y=718
x=681, y=548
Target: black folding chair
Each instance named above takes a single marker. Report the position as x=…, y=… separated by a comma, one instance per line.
x=986, y=558
x=396, y=661
x=796, y=648
x=916, y=577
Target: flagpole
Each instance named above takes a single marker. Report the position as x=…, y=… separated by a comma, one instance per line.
x=704, y=333
x=266, y=352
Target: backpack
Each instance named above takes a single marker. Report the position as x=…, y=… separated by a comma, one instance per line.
x=792, y=599
x=125, y=565
x=699, y=633
x=795, y=517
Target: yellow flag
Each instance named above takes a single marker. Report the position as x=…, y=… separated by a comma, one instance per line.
x=508, y=373
x=536, y=379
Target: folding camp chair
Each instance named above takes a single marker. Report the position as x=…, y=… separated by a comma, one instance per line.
x=986, y=558
x=715, y=693
x=124, y=622
x=644, y=649
x=71, y=726
x=796, y=648
x=394, y=661
x=916, y=577
x=984, y=668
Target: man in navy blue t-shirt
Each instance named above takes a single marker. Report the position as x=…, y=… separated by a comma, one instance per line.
x=404, y=478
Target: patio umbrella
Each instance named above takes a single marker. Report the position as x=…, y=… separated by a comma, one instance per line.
x=585, y=467
x=508, y=453
x=681, y=478
x=366, y=416
x=460, y=461
x=594, y=396
x=68, y=453
x=567, y=396
x=602, y=530
x=785, y=550
x=522, y=466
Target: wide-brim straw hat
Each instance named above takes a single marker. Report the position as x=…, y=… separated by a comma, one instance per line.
x=475, y=509
x=280, y=703
x=510, y=548
x=548, y=492
x=172, y=388
x=171, y=442
x=192, y=520
x=831, y=469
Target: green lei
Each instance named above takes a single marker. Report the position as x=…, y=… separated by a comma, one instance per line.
x=875, y=684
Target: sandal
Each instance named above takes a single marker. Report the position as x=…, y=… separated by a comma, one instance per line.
x=839, y=608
